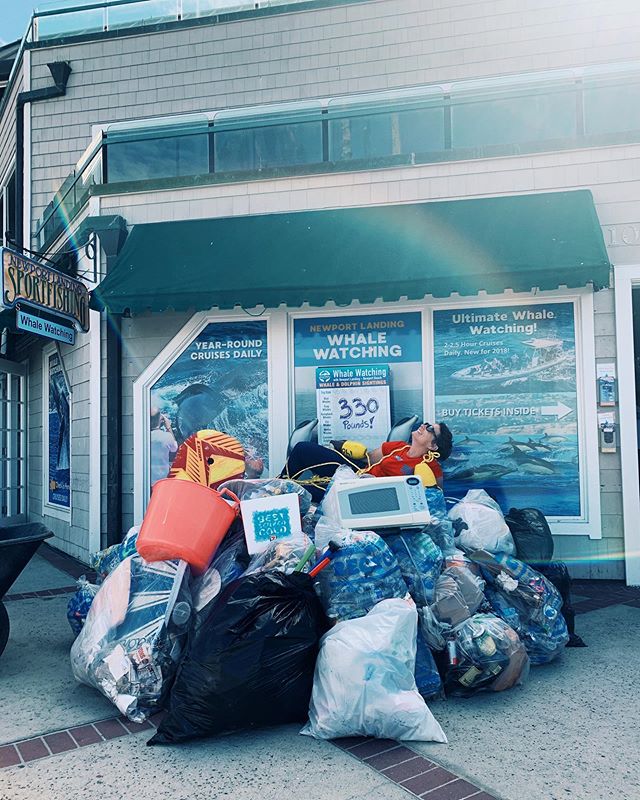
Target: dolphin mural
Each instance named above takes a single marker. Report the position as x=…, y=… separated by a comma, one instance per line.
x=483, y=472
x=533, y=464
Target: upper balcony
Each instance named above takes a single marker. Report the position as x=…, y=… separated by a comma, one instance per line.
x=507, y=116
x=60, y=20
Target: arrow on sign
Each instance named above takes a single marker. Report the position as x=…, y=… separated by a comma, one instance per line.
x=560, y=410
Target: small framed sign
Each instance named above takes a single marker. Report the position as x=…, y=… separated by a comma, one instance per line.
x=271, y=519
x=607, y=389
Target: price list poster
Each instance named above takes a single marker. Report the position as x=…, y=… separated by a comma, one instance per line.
x=505, y=383
x=373, y=362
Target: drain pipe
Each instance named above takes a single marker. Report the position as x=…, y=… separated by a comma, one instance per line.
x=60, y=71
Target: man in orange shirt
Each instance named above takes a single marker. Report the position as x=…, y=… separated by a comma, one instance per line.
x=429, y=443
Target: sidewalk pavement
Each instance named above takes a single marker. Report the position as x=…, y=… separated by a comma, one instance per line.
x=570, y=732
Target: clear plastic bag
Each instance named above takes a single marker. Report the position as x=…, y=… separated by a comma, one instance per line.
x=458, y=594
x=485, y=525
x=133, y=638
x=435, y=633
x=527, y=601
x=440, y=529
x=80, y=603
x=428, y=681
x=360, y=574
x=251, y=489
x=420, y=561
x=489, y=656
x=364, y=683
x=281, y=557
x=329, y=505
x=229, y=563
x=310, y=520
x=105, y=561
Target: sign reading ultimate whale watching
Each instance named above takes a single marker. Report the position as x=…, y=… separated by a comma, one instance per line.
x=505, y=381
x=27, y=282
x=361, y=341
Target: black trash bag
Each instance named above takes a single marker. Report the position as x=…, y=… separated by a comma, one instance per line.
x=558, y=574
x=531, y=534
x=249, y=661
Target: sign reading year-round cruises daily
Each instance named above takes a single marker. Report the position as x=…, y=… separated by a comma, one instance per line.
x=353, y=403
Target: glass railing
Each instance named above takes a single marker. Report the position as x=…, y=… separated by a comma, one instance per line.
x=70, y=198
x=421, y=125
x=60, y=19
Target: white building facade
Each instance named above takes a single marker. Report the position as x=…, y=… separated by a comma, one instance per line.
x=445, y=193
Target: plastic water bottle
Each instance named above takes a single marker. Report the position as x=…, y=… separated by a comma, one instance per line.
x=181, y=613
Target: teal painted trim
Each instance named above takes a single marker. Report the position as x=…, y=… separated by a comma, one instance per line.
x=215, y=19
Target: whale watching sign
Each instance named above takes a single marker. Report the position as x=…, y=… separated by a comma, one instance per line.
x=62, y=301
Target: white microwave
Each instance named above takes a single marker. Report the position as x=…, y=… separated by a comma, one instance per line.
x=370, y=503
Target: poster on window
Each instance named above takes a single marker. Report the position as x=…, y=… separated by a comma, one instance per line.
x=358, y=341
x=219, y=382
x=59, y=444
x=353, y=403
x=505, y=383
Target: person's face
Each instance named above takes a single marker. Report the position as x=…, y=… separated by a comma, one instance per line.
x=426, y=435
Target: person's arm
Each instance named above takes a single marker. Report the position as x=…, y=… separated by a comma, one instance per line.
x=376, y=455
x=173, y=445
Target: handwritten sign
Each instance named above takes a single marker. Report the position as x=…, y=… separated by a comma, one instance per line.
x=353, y=403
x=271, y=519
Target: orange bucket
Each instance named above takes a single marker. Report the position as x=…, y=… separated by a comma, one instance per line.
x=185, y=520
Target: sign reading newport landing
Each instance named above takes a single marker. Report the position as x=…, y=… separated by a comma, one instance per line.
x=26, y=281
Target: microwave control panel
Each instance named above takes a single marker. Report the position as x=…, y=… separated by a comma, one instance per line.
x=415, y=492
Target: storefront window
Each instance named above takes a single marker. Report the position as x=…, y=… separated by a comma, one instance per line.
x=219, y=382
x=58, y=434
x=505, y=383
x=358, y=374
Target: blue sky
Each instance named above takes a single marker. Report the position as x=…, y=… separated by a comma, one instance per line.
x=15, y=15
x=15, y=18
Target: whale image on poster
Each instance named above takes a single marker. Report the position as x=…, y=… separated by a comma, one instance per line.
x=505, y=383
x=219, y=381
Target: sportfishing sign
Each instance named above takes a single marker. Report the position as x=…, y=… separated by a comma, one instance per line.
x=27, y=282
x=505, y=381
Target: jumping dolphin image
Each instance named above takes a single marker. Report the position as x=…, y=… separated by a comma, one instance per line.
x=532, y=464
x=484, y=472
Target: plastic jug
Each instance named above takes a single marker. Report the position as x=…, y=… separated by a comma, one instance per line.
x=185, y=520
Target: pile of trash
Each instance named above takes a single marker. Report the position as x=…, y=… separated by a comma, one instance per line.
x=266, y=611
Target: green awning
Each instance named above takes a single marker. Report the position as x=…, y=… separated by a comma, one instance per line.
x=389, y=252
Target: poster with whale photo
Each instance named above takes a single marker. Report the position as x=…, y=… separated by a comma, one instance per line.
x=220, y=382
x=505, y=382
